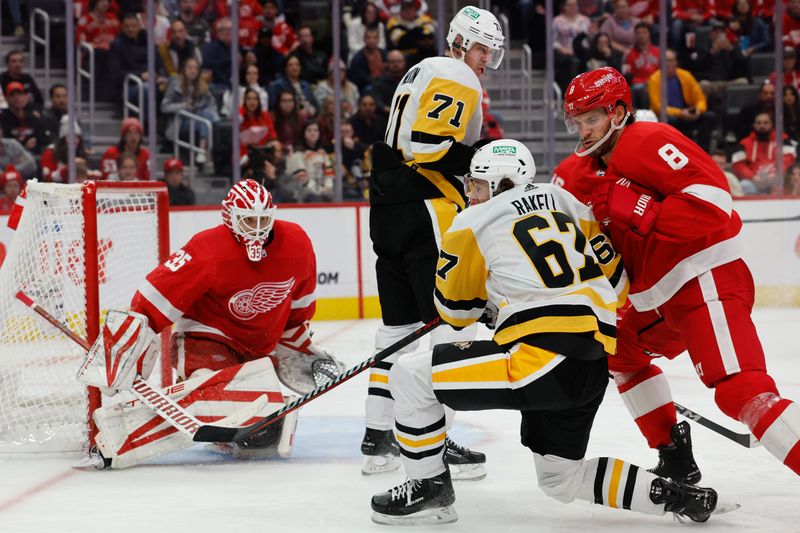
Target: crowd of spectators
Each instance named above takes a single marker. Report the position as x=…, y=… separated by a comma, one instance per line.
x=286, y=91
x=286, y=86
x=710, y=47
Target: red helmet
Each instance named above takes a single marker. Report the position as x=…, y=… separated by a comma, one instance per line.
x=249, y=213
x=602, y=87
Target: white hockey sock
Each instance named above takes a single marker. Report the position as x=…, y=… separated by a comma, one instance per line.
x=420, y=422
x=605, y=481
x=379, y=406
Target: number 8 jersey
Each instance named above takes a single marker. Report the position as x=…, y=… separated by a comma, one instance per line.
x=538, y=255
x=697, y=228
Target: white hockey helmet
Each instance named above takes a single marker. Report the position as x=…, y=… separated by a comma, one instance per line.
x=249, y=213
x=505, y=158
x=475, y=25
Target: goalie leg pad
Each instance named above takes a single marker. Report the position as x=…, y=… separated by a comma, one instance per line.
x=131, y=432
x=123, y=350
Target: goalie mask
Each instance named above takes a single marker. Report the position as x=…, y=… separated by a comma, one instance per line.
x=474, y=25
x=249, y=213
x=503, y=159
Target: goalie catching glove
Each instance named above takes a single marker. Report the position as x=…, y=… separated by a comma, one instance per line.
x=123, y=350
x=302, y=364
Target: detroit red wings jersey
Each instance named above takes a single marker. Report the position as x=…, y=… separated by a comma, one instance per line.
x=697, y=228
x=210, y=288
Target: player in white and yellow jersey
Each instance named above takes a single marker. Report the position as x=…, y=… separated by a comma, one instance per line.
x=416, y=189
x=536, y=254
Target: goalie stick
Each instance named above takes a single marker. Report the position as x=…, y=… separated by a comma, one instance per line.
x=217, y=433
x=745, y=439
x=167, y=408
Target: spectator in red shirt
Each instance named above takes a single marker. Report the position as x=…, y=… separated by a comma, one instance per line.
x=791, y=23
x=99, y=26
x=755, y=157
x=12, y=186
x=284, y=39
x=257, y=128
x=55, y=157
x=130, y=140
x=791, y=74
x=640, y=63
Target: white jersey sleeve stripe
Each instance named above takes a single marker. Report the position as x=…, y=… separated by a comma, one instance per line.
x=427, y=148
x=160, y=302
x=713, y=195
x=305, y=301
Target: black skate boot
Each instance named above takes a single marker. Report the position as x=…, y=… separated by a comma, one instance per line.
x=465, y=465
x=417, y=501
x=381, y=452
x=693, y=502
x=676, y=460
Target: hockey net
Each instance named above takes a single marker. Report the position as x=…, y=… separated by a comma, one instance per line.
x=79, y=250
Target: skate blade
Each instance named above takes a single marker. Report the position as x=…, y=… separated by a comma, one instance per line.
x=379, y=464
x=438, y=515
x=469, y=472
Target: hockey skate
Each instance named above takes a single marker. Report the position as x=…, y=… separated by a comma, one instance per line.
x=465, y=464
x=93, y=460
x=676, y=460
x=692, y=502
x=381, y=452
x=417, y=501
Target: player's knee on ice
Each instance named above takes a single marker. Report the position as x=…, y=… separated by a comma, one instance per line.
x=563, y=479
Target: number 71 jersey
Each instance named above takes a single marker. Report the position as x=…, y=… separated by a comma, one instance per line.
x=437, y=103
x=537, y=254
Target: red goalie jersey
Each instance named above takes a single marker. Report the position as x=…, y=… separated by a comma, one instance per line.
x=696, y=228
x=211, y=289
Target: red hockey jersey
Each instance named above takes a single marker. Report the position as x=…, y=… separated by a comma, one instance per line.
x=210, y=288
x=697, y=228
x=108, y=163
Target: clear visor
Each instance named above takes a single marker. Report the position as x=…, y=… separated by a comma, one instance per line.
x=574, y=124
x=253, y=224
x=496, y=57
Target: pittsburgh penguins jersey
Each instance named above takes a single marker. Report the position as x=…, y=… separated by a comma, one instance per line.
x=437, y=104
x=538, y=256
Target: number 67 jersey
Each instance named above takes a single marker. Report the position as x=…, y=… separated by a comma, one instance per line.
x=537, y=255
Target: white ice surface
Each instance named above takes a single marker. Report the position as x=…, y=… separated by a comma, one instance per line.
x=321, y=488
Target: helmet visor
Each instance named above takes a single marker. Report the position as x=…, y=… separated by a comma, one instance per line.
x=496, y=57
x=592, y=120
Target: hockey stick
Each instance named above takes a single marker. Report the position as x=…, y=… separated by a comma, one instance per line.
x=170, y=411
x=217, y=433
x=745, y=439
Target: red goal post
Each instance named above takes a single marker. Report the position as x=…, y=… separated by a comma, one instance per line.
x=79, y=250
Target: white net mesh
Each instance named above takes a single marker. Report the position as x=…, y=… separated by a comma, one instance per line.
x=42, y=406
